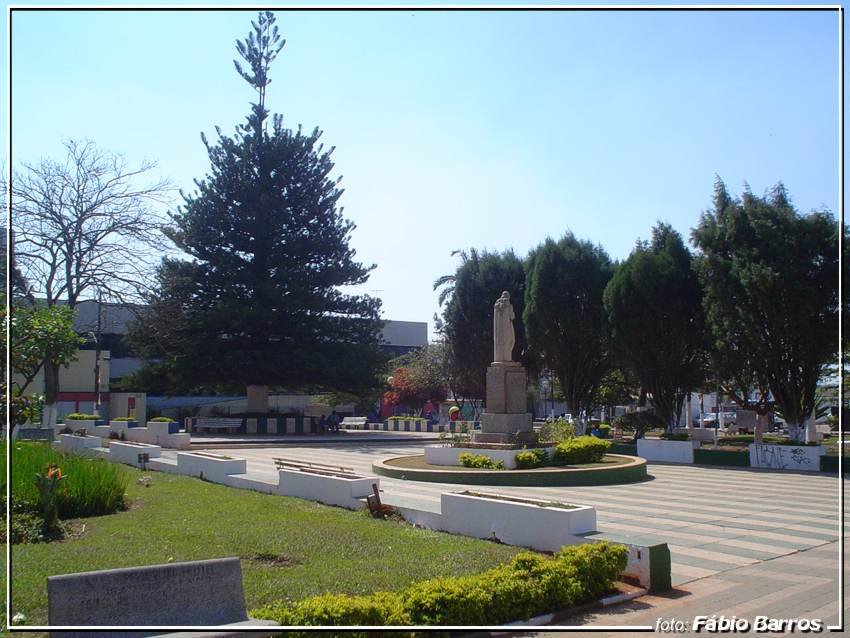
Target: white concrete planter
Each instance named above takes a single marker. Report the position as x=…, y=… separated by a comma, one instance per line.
x=156, y=433
x=213, y=467
x=443, y=455
x=522, y=522
x=799, y=458
x=667, y=451
x=333, y=488
x=128, y=452
x=74, y=443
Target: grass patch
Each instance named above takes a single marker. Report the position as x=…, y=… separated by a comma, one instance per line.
x=318, y=548
x=91, y=487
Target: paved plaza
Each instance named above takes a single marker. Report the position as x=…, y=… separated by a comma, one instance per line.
x=739, y=539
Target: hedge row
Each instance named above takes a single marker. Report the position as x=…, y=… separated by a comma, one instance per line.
x=582, y=449
x=530, y=585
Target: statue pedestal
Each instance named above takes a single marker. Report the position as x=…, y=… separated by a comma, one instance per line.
x=505, y=419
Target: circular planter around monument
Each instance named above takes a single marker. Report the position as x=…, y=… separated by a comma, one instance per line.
x=632, y=471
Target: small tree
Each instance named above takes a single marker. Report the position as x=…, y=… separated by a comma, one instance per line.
x=43, y=338
x=771, y=294
x=654, y=309
x=79, y=228
x=564, y=315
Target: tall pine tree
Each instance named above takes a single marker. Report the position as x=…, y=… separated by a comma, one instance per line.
x=260, y=303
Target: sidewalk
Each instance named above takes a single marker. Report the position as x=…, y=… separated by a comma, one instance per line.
x=810, y=590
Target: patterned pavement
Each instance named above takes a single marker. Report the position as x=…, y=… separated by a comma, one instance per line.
x=713, y=519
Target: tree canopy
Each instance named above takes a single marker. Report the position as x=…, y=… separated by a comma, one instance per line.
x=260, y=302
x=654, y=307
x=770, y=277
x=564, y=315
x=467, y=322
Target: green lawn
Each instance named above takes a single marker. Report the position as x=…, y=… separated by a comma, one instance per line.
x=317, y=548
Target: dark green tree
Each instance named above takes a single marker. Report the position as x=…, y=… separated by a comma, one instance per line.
x=261, y=301
x=467, y=323
x=771, y=294
x=654, y=307
x=564, y=316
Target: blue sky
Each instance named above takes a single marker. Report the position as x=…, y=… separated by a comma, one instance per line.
x=453, y=130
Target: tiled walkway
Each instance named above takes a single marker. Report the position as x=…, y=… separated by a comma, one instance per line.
x=799, y=585
x=713, y=519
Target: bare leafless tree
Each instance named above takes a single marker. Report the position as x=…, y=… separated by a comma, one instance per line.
x=84, y=227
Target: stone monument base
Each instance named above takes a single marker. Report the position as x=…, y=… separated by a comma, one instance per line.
x=509, y=440
x=511, y=429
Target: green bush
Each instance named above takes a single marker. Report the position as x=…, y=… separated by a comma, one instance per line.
x=557, y=431
x=91, y=487
x=676, y=436
x=78, y=416
x=124, y=418
x=582, y=449
x=528, y=459
x=529, y=585
x=480, y=461
x=162, y=419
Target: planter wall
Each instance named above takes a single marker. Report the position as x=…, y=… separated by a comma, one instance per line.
x=172, y=427
x=406, y=425
x=830, y=464
x=330, y=488
x=706, y=456
x=526, y=524
x=667, y=451
x=79, y=444
x=212, y=467
x=443, y=455
x=799, y=458
x=125, y=452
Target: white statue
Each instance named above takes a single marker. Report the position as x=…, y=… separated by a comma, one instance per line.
x=503, y=328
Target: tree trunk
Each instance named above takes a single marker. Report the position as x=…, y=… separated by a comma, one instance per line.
x=810, y=430
x=258, y=399
x=51, y=392
x=760, y=427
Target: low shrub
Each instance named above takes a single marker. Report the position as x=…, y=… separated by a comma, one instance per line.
x=480, y=461
x=91, y=487
x=528, y=459
x=675, y=436
x=582, y=449
x=529, y=585
x=78, y=416
x=162, y=419
x=26, y=523
x=124, y=418
x=606, y=430
x=557, y=431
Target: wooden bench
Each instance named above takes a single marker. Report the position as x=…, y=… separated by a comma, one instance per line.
x=353, y=422
x=282, y=463
x=218, y=423
x=203, y=593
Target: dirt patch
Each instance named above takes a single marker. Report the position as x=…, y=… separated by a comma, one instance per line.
x=272, y=560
